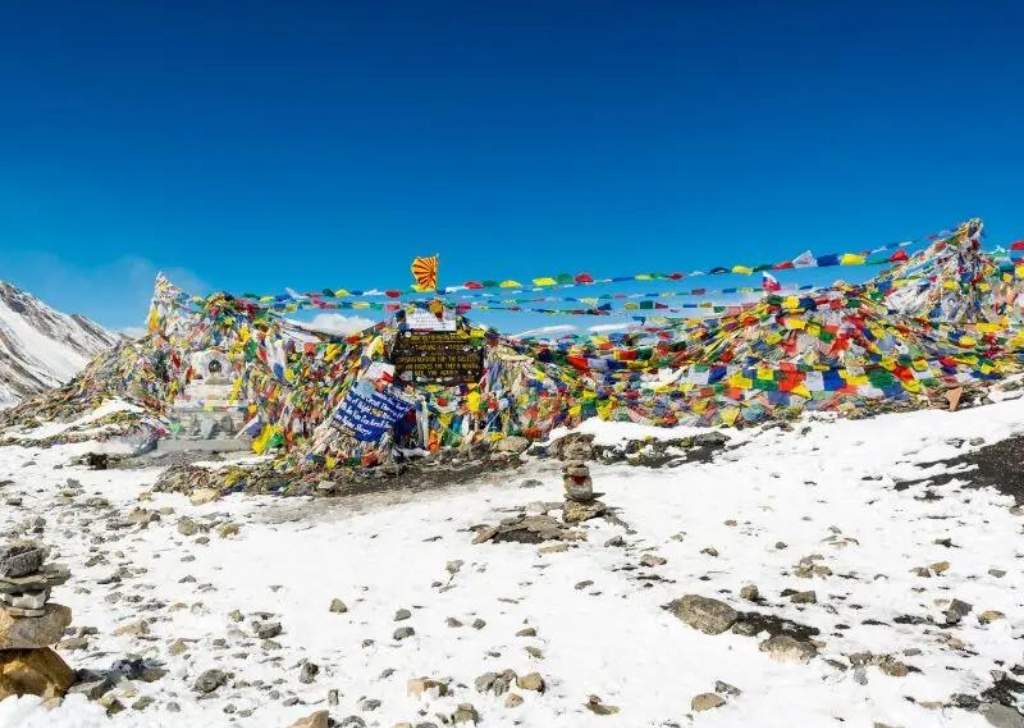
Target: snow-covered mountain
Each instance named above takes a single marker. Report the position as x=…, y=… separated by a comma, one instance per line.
x=41, y=347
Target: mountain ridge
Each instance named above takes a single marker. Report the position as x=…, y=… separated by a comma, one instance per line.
x=41, y=347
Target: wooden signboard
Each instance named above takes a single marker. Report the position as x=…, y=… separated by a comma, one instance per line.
x=437, y=357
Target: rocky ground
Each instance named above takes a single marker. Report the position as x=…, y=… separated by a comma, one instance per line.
x=861, y=573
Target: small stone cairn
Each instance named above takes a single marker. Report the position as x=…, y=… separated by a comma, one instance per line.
x=581, y=502
x=30, y=623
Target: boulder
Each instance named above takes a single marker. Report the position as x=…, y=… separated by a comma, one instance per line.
x=34, y=632
x=708, y=615
x=34, y=672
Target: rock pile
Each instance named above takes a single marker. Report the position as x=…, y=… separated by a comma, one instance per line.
x=581, y=502
x=29, y=624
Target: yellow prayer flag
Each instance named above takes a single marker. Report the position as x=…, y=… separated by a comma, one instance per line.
x=729, y=415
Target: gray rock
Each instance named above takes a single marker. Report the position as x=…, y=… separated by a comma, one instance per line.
x=1001, y=716
x=485, y=681
x=30, y=600
x=710, y=616
x=402, y=614
x=338, y=606
x=267, y=630
x=957, y=610
x=652, y=560
x=512, y=444
x=187, y=527
x=209, y=681
x=404, y=633
x=785, y=648
x=724, y=688
x=503, y=682
x=74, y=643
x=142, y=703
x=711, y=439
x=93, y=686
x=465, y=713
x=21, y=559
x=308, y=672
x=804, y=597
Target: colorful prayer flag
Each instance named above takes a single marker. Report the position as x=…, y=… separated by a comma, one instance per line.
x=424, y=272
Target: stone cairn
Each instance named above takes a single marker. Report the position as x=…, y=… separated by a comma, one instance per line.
x=581, y=502
x=30, y=623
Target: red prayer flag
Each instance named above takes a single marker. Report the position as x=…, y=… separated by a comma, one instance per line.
x=899, y=256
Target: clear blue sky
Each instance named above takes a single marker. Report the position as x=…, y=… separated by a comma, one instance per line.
x=254, y=146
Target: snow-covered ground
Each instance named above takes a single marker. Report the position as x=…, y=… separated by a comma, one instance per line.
x=748, y=517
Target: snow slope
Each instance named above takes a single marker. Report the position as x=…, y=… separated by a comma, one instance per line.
x=41, y=347
x=748, y=517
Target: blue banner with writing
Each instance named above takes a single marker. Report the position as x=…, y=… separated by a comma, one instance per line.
x=368, y=414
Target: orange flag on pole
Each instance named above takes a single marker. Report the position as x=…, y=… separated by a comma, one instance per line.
x=424, y=272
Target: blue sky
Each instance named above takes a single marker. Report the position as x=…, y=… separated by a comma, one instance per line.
x=259, y=146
